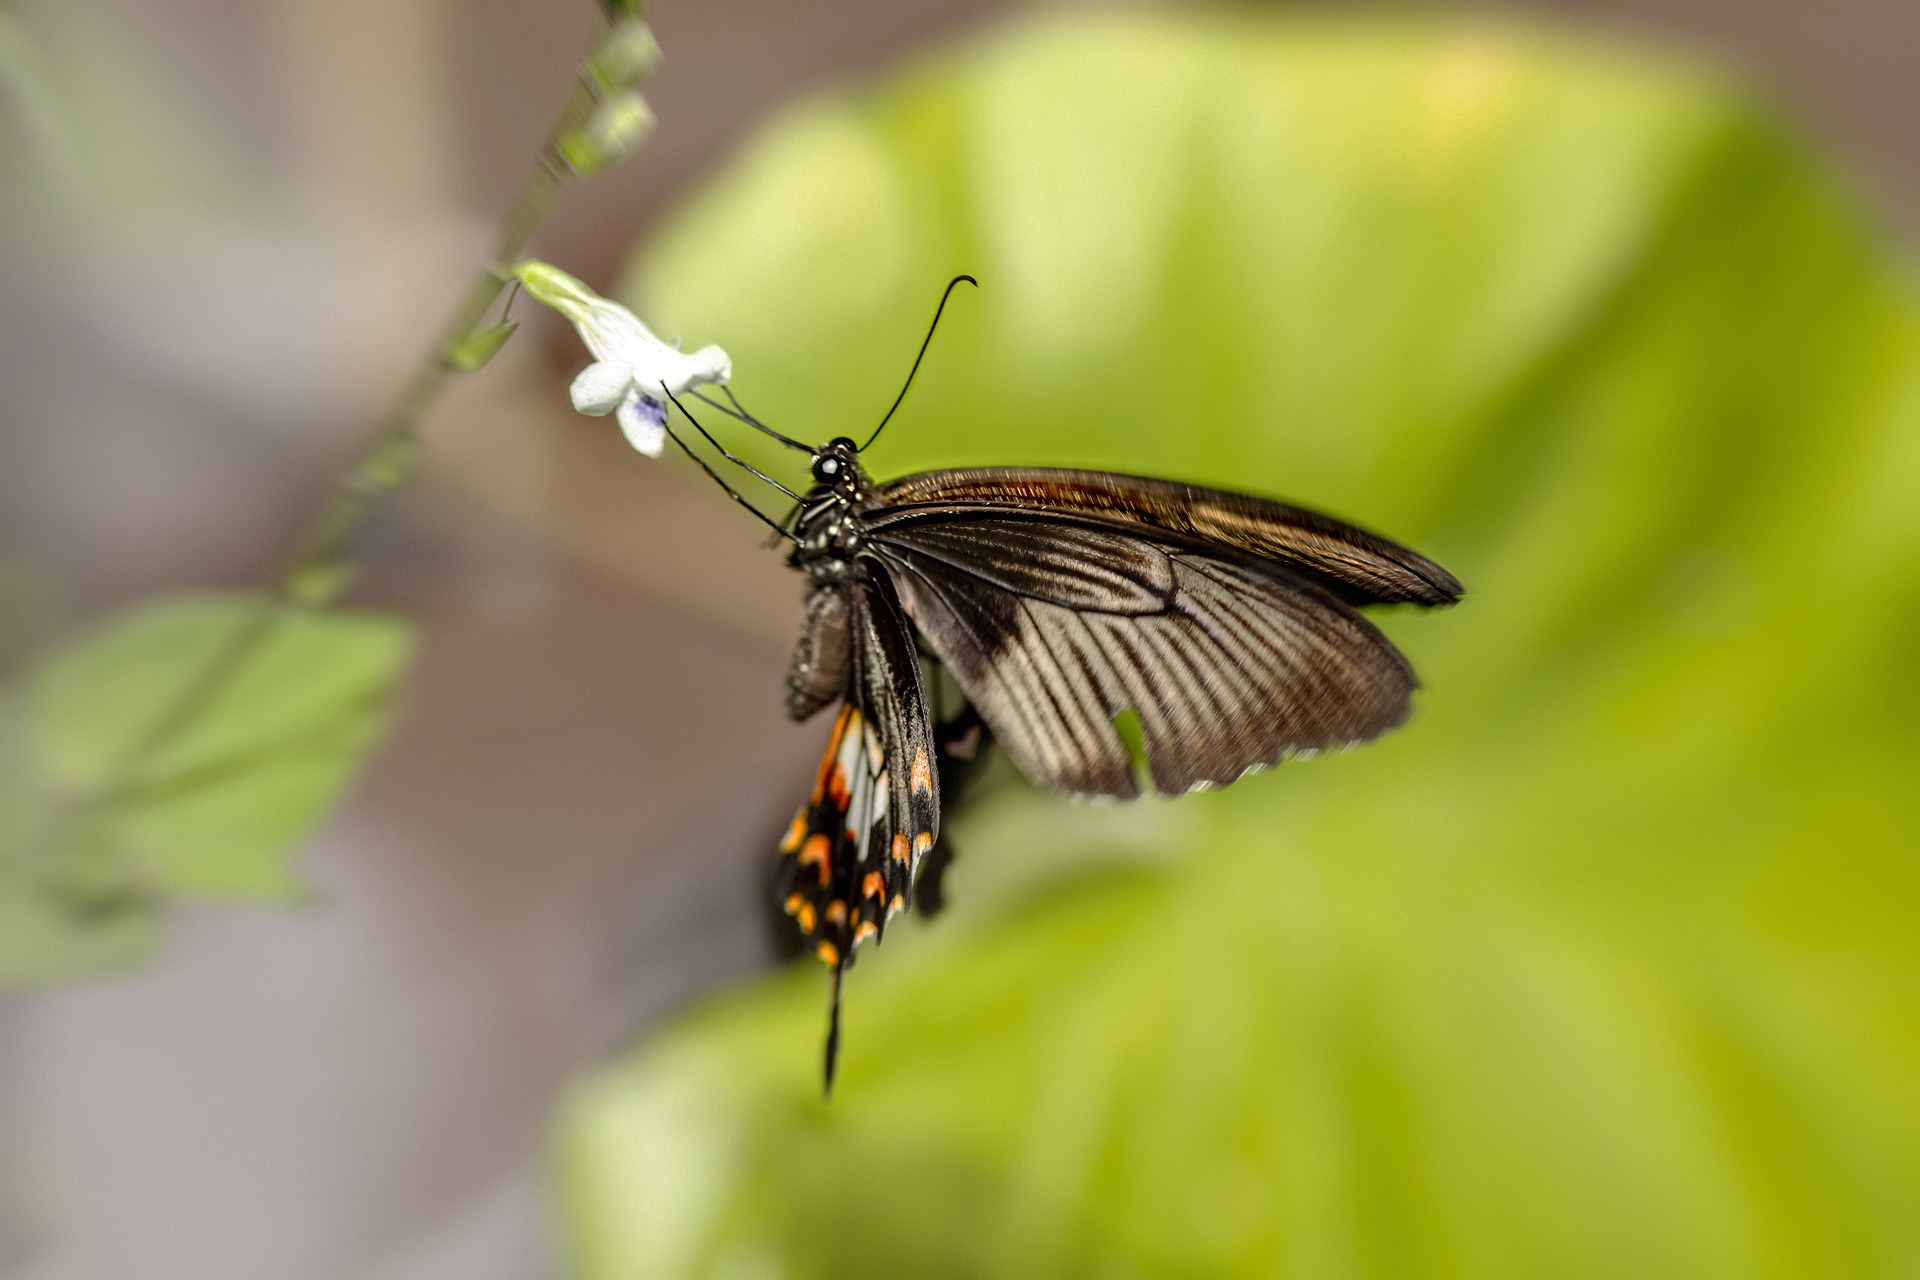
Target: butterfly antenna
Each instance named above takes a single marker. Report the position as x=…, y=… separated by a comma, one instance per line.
x=742, y=463
x=714, y=476
x=833, y=1033
x=924, y=344
x=748, y=418
x=739, y=414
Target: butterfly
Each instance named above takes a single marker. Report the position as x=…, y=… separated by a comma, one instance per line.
x=1058, y=601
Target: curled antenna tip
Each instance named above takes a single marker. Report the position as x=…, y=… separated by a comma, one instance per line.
x=924, y=344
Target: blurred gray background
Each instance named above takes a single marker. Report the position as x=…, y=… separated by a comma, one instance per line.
x=202, y=310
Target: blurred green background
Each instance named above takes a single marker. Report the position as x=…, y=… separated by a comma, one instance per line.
x=1605, y=965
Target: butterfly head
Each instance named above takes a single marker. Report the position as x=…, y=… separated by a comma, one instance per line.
x=836, y=465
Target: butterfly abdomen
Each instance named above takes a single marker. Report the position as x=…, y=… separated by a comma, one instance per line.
x=818, y=674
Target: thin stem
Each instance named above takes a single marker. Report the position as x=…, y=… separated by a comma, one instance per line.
x=311, y=575
x=389, y=460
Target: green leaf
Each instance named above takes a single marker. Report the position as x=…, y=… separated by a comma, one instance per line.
x=1606, y=964
x=473, y=351
x=212, y=806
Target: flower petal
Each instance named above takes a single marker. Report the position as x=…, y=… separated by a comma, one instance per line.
x=644, y=422
x=682, y=372
x=602, y=387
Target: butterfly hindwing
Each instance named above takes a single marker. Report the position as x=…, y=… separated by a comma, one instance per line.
x=893, y=693
x=960, y=742
x=836, y=836
x=849, y=857
x=1053, y=627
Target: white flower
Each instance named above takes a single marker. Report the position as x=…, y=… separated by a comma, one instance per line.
x=630, y=366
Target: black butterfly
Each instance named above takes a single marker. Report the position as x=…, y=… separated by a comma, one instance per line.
x=1058, y=600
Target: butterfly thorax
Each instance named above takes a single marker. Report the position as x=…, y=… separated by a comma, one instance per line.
x=829, y=527
x=830, y=538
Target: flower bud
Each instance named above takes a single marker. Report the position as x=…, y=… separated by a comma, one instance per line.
x=546, y=283
x=320, y=584
x=627, y=54
x=613, y=132
x=391, y=463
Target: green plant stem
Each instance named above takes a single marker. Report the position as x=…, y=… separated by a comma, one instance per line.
x=312, y=575
x=389, y=459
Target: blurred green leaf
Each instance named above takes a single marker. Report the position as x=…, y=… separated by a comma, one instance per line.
x=1606, y=965
x=43, y=937
x=126, y=804
x=215, y=808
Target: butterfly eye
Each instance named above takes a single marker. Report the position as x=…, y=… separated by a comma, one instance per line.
x=827, y=468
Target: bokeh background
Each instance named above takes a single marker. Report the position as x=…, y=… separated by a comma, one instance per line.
x=1602, y=967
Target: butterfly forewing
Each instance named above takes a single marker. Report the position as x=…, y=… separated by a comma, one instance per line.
x=1357, y=566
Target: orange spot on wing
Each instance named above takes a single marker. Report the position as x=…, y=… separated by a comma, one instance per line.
x=795, y=833
x=867, y=929
x=900, y=853
x=874, y=886
x=922, y=843
x=836, y=912
x=828, y=953
x=816, y=852
x=802, y=912
x=920, y=777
